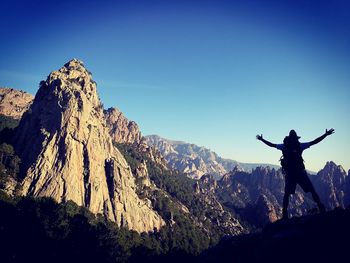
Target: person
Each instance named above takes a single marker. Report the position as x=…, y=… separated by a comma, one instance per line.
x=293, y=166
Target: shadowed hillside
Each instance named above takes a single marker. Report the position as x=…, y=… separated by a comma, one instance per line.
x=315, y=238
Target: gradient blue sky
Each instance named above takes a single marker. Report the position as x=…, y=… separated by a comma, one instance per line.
x=213, y=73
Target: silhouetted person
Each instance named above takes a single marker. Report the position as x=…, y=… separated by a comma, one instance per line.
x=293, y=166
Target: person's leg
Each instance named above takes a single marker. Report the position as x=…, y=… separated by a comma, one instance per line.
x=289, y=189
x=317, y=200
x=308, y=187
x=285, y=205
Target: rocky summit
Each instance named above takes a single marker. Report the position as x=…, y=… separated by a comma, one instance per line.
x=67, y=152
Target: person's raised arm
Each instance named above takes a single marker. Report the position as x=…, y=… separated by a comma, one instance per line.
x=317, y=140
x=260, y=138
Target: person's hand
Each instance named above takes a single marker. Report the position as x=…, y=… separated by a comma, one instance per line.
x=329, y=132
x=259, y=137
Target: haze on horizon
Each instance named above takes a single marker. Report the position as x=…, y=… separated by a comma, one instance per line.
x=213, y=73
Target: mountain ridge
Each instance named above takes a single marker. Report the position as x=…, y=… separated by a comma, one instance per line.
x=194, y=160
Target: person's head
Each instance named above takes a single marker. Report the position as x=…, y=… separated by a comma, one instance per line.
x=293, y=135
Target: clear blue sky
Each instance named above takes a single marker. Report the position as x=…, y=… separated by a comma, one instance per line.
x=214, y=73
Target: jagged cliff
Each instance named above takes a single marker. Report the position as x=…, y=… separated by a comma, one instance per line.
x=67, y=152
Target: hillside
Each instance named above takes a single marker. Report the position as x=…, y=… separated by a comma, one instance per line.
x=313, y=238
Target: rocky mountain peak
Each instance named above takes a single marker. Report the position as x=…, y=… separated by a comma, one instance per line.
x=333, y=167
x=73, y=79
x=332, y=182
x=68, y=153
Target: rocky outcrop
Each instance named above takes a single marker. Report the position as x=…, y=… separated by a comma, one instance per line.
x=266, y=210
x=152, y=153
x=13, y=103
x=120, y=128
x=67, y=152
x=124, y=131
x=142, y=174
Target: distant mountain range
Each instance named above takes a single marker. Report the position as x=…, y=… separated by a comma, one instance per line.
x=196, y=161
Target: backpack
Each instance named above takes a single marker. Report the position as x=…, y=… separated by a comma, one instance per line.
x=291, y=160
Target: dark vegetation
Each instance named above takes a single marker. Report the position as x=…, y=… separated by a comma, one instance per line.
x=173, y=188
x=8, y=122
x=176, y=184
x=40, y=230
x=179, y=190
x=9, y=164
x=35, y=230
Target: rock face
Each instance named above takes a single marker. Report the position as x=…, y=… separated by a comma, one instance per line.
x=193, y=160
x=120, y=128
x=266, y=210
x=67, y=153
x=13, y=103
x=332, y=182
